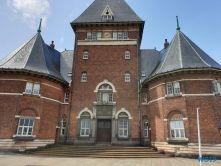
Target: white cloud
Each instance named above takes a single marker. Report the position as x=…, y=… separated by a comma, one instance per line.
x=61, y=39
x=30, y=11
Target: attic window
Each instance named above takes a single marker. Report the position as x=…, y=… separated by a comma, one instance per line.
x=143, y=74
x=107, y=14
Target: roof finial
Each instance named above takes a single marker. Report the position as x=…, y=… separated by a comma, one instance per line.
x=39, y=29
x=178, y=27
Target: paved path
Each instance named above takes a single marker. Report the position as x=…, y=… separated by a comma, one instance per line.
x=23, y=160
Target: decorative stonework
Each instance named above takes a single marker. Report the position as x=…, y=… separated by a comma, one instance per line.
x=122, y=110
x=104, y=110
x=105, y=82
x=85, y=110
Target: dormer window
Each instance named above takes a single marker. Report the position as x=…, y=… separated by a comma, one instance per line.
x=107, y=14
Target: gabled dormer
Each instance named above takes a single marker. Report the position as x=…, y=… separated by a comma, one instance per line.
x=107, y=14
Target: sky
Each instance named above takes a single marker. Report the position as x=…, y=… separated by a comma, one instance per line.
x=200, y=20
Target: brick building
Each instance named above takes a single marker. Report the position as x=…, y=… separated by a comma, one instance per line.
x=108, y=90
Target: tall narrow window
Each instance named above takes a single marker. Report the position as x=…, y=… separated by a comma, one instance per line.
x=85, y=55
x=84, y=77
x=88, y=35
x=120, y=35
x=144, y=97
x=28, y=88
x=25, y=127
x=63, y=125
x=169, y=89
x=145, y=128
x=127, y=54
x=36, y=89
x=94, y=36
x=66, y=97
x=177, y=129
x=123, y=128
x=85, y=127
x=127, y=77
x=176, y=86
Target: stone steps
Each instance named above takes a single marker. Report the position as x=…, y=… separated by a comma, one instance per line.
x=99, y=152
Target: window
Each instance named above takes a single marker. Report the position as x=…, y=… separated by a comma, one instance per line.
x=123, y=128
x=85, y=55
x=93, y=35
x=25, y=127
x=127, y=54
x=145, y=128
x=144, y=97
x=63, y=125
x=32, y=88
x=84, y=77
x=66, y=97
x=120, y=35
x=107, y=14
x=217, y=87
x=173, y=88
x=105, y=93
x=85, y=127
x=127, y=77
x=177, y=129
x=69, y=74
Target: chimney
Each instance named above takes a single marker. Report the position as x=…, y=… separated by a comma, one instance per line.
x=166, y=44
x=52, y=45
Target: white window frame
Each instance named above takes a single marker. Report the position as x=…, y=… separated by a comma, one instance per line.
x=85, y=55
x=84, y=77
x=109, y=97
x=23, y=126
x=144, y=97
x=89, y=36
x=127, y=77
x=177, y=129
x=173, y=88
x=32, y=88
x=63, y=126
x=123, y=128
x=123, y=35
x=127, y=54
x=84, y=127
x=145, y=128
x=143, y=74
x=66, y=97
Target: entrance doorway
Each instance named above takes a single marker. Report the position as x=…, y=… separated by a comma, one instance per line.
x=103, y=130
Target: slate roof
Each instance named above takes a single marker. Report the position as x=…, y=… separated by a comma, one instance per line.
x=183, y=53
x=34, y=55
x=149, y=61
x=66, y=60
x=121, y=10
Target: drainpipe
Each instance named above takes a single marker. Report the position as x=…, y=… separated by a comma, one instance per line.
x=138, y=85
x=72, y=84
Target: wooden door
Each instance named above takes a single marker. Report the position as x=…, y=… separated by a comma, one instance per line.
x=104, y=130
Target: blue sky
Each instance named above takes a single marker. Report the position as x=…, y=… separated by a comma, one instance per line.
x=199, y=20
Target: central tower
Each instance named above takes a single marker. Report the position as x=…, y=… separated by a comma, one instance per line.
x=104, y=104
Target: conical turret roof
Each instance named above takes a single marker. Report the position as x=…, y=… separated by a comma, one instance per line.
x=34, y=55
x=182, y=53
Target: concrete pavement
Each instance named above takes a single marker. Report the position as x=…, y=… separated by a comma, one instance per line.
x=27, y=160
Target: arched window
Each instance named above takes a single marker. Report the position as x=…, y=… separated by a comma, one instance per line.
x=85, y=55
x=85, y=124
x=127, y=54
x=123, y=125
x=84, y=77
x=127, y=77
x=145, y=128
x=105, y=93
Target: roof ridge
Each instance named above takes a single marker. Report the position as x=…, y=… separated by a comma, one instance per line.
x=181, y=62
x=18, y=49
x=166, y=55
x=195, y=50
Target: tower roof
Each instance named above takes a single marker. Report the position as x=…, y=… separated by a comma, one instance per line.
x=34, y=55
x=182, y=53
x=121, y=11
